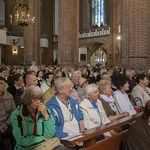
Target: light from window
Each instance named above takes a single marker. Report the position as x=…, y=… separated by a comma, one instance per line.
x=99, y=12
x=99, y=56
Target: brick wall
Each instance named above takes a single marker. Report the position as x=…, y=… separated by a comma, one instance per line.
x=68, y=32
x=135, y=33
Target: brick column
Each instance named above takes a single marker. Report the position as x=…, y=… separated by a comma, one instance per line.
x=135, y=33
x=85, y=15
x=68, y=32
x=32, y=35
x=47, y=30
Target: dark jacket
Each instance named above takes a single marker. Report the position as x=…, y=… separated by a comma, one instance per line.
x=12, y=90
x=65, y=74
x=16, y=93
x=138, y=136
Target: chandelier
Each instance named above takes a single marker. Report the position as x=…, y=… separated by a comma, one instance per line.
x=21, y=16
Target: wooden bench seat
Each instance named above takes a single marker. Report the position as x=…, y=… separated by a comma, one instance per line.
x=113, y=143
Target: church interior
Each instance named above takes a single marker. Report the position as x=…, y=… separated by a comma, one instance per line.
x=74, y=74
x=81, y=32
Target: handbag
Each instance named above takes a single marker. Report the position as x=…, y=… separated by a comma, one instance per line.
x=7, y=139
x=7, y=144
x=49, y=144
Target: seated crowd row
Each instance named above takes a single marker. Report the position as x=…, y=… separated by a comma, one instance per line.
x=60, y=104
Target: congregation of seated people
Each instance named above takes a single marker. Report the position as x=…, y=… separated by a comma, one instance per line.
x=67, y=101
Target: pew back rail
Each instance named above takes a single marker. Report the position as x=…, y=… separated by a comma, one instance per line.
x=89, y=136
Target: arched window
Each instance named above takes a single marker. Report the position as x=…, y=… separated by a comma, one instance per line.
x=100, y=56
x=98, y=6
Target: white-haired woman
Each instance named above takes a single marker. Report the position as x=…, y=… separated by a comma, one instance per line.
x=91, y=106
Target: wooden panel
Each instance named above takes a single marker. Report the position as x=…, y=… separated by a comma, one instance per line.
x=112, y=143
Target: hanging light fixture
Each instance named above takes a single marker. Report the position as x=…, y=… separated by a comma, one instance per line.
x=21, y=16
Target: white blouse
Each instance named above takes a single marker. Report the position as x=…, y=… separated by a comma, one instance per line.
x=123, y=103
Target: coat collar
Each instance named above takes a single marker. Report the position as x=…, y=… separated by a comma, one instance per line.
x=25, y=111
x=6, y=95
x=88, y=103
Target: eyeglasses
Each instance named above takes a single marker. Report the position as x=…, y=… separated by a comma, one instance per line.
x=35, y=99
x=71, y=115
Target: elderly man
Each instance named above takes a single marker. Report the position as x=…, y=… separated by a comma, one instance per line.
x=66, y=111
x=31, y=80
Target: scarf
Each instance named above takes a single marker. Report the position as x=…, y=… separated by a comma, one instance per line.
x=110, y=100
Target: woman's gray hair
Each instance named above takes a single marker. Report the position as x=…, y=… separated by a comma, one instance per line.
x=60, y=82
x=90, y=89
x=31, y=92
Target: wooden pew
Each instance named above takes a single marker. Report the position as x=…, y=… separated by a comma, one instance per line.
x=113, y=143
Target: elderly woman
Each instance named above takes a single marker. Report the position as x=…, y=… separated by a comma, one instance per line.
x=32, y=122
x=91, y=106
x=121, y=98
x=141, y=93
x=108, y=101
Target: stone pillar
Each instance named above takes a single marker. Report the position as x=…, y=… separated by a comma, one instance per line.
x=68, y=32
x=32, y=35
x=135, y=33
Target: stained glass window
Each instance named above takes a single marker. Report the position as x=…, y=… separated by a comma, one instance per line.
x=100, y=56
x=99, y=12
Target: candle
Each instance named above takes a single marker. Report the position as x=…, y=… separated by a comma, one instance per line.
x=33, y=20
x=119, y=28
x=28, y=16
x=11, y=19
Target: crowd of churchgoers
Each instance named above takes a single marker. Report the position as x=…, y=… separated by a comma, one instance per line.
x=38, y=103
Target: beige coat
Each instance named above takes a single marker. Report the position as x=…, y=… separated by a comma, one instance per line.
x=7, y=105
x=91, y=117
x=138, y=92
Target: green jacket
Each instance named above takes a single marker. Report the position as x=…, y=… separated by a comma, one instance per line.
x=22, y=130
